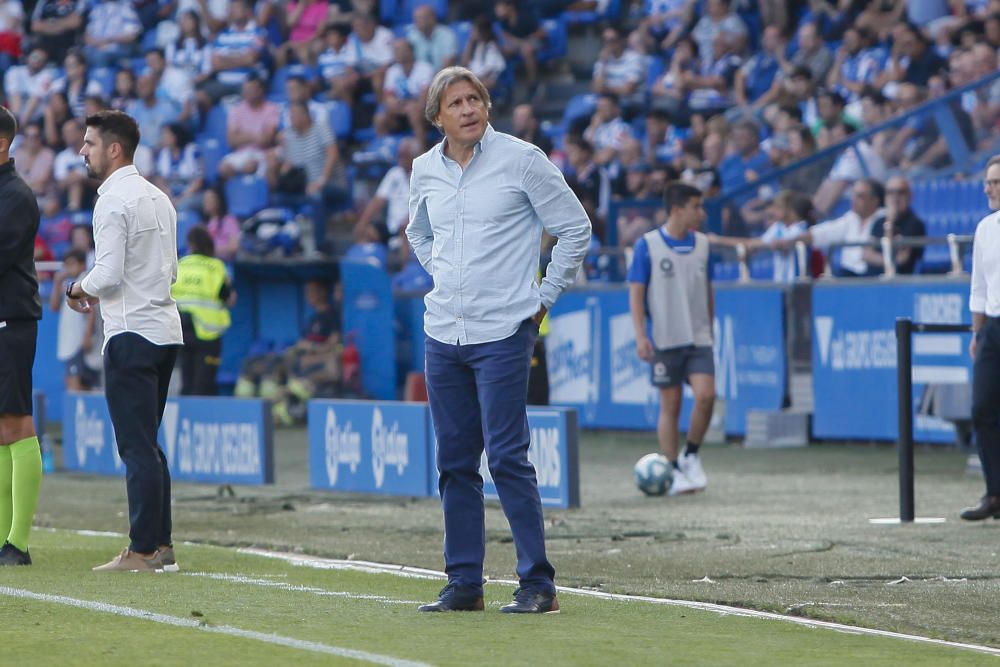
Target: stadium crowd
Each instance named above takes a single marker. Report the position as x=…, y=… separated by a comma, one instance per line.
x=290, y=127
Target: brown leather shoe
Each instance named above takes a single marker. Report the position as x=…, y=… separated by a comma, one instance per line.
x=989, y=506
x=130, y=561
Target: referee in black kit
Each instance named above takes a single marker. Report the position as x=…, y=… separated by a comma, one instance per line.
x=20, y=310
x=135, y=231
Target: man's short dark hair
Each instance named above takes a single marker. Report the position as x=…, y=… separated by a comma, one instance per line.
x=878, y=190
x=200, y=242
x=8, y=124
x=678, y=195
x=117, y=127
x=77, y=255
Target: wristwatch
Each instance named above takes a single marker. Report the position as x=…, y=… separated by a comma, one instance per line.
x=69, y=290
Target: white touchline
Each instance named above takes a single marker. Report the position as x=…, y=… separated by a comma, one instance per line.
x=277, y=640
x=421, y=573
x=267, y=583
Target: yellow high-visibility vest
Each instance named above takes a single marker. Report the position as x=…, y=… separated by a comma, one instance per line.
x=199, y=281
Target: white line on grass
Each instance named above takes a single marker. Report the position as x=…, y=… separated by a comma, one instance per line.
x=421, y=573
x=276, y=640
x=281, y=585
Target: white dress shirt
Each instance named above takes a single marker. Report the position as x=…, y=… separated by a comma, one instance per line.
x=135, y=231
x=848, y=228
x=984, y=295
x=477, y=231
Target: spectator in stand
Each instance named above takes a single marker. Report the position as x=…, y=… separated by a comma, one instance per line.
x=663, y=141
x=124, y=93
x=525, y=126
x=150, y=111
x=669, y=92
x=338, y=63
x=880, y=17
x=76, y=331
x=392, y=196
x=619, y=70
x=309, y=149
x=912, y=60
x=812, y=54
x=304, y=22
x=848, y=168
x=801, y=145
x=56, y=24
x=756, y=76
x=11, y=32
x=664, y=24
x=709, y=89
x=899, y=221
x=188, y=53
x=235, y=55
x=297, y=90
x=915, y=134
x=983, y=105
x=584, y=176
x=74, y=83
x=875, y=109
x=251, y=131
x=855, y=226
x=830, y=109
x=35, y=159
x=173, y=84
x=374, y=44
x=433, y=43
x=522, y=35
x=718, y=18
x=69, y=171
x=482, y=55
x=607, y=131
x=178, y=169
x=856, y=65
x=787, y=223
x=56, y=113
x=747, y=162
x=82, y=237
x=112, y=30
x=214, y=14
x=222, y=225
x=404, y=91
x=27, y=86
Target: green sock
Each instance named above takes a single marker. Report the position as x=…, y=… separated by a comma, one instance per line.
x=6, y=494
x=26, y=456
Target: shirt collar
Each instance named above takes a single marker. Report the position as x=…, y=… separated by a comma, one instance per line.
x=7, y=167
x=117, y=175
x=488, y=137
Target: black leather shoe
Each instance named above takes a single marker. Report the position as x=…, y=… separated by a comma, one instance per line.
x=455, y=598
x=531, y=601
x=11, y=555
x=989, y=506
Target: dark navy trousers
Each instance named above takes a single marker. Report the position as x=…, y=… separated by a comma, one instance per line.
x=136, y=377
x=478, y=397
x=986, y=402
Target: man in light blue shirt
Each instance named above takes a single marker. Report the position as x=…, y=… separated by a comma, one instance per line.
x=478, y=203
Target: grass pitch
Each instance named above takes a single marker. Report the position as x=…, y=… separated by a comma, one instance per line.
x=781, y=531
x=326, y=616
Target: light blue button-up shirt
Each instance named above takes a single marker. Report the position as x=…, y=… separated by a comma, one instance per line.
x=477, y=231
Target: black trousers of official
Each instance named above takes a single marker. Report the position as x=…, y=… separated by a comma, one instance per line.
x=136, y=377
x=986, y=402
x=199, y=362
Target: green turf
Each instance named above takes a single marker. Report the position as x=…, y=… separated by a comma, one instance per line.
x=589, y=631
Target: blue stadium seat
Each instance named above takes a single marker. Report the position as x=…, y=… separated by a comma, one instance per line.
x=725, y=271
x=246, y=195
x=611, y=13
x=762, y=266
x=462, y=31
x=212, y=151
x=105, y=77
x=85, y=217
x=215, y=123
x=579, y=106
x=186, y=219
x=148, y=40
x=936, y=259
x=557, y=43
x=339, y=118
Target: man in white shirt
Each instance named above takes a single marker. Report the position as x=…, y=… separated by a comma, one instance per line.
x=135, y=231
x=855, y=226
x=984, y=302
x=392, y=195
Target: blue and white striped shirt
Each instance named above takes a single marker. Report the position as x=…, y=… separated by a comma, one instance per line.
x=477, y=232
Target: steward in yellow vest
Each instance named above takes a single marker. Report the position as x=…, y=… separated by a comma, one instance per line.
x=202, y=293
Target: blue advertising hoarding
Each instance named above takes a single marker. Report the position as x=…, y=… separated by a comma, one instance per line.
x=208, y=440
x=368, y=447
x=554, y=451
x=854, y=356
x=593, y=365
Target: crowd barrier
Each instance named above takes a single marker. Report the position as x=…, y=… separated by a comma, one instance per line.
x=207, y=440
x=389, y=448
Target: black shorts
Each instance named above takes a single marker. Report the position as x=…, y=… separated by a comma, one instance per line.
x=672, y=367
x=17, y=356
